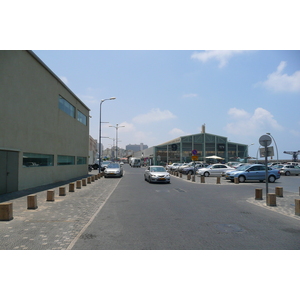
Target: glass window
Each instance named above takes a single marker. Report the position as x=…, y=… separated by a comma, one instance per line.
x=63, y=160
x=37, y=160
x=81, y=117
x=81, y=160
x=67, y=107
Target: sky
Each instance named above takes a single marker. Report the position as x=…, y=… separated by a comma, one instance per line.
x=156, y=58
x=164, y=94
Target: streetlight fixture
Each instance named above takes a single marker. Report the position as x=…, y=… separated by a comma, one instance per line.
x=275, y=144
x=100, y=148
x=117, y=127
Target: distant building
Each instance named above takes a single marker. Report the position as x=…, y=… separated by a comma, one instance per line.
x=44, y=126
x=136, y=148
x=93, y=151
x=200, y=147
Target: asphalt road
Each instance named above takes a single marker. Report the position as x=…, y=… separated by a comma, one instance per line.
x=185, y=215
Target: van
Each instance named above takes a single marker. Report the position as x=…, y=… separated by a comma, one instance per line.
x=135, y=163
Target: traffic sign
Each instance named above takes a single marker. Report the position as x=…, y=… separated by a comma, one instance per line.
x=265, y=140
x=195, y=157
x=194, y=152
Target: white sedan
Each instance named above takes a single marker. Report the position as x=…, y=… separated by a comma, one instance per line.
x=214, y=170
x=156, y=174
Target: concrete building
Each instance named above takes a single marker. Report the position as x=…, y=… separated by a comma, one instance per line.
x=205, y=144
x=93, y=151
x=44, y=126
x=136, y=147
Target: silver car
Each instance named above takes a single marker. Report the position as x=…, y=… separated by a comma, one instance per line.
x=113, y=170
x=156, y=174
x=214, y=170
x=288, y=170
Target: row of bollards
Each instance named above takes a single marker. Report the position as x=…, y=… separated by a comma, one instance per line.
x=6, y=209
x=271, y=198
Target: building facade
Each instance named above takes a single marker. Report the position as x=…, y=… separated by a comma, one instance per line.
x=44, y=126
x=194, y=147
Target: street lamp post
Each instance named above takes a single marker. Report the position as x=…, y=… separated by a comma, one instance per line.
x=275, y=144
x=100, y=149
x=117, y=127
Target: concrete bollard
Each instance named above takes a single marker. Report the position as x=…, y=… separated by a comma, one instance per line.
x=202, y=179
x=72, y=187
x=78, y=184
x=89, y=180
x=279, y=191
x=258, y=194
x=6, y=211
x=93, y=178
x=32, y=201
x=188, y=177
x=96, y=177
x=297, y=207
x=271, y=200
x=236, y=180
x=180, y=175
x=193, y=178
x=50, y=195
x=99, y=175
x=84, y=182
x=218, y=180
x=62, y=191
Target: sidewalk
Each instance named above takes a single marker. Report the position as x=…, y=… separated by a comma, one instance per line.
x=284, y=205
x=53, y=225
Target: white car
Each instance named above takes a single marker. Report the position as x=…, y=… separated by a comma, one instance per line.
x=156, y=174
x=214, y=170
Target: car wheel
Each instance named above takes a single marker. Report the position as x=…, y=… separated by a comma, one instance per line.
x=242, y=179
x=206, y=174
x=272, y=179
x=287, y=173
x=190, y=172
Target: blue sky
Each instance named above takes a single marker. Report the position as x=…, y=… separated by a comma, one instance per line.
x=165, y=94
x=145, y=54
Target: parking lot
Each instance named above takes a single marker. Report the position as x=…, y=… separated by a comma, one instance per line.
x=284, y=205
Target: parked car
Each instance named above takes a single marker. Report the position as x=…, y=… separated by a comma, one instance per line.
x=156, y=174
x=288, y=170
x=190, y=169
x=214, y=170
x=226, y=174
x=255, y=172
x=113, y=170
x=104, y=164
x=184, y=165
x=173, y=166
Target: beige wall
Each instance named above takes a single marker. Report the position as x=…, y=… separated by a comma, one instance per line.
x=31, y=121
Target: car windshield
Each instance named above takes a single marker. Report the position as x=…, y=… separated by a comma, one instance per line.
x=105, y=163
x=157, y=169
x=113, y=166
x=242, y=168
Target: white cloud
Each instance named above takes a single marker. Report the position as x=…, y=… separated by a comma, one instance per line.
x=222, y=56
x=176, y=132
x=155, y=115
x=64, y=79
x=247, y=124
x=279, y=82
